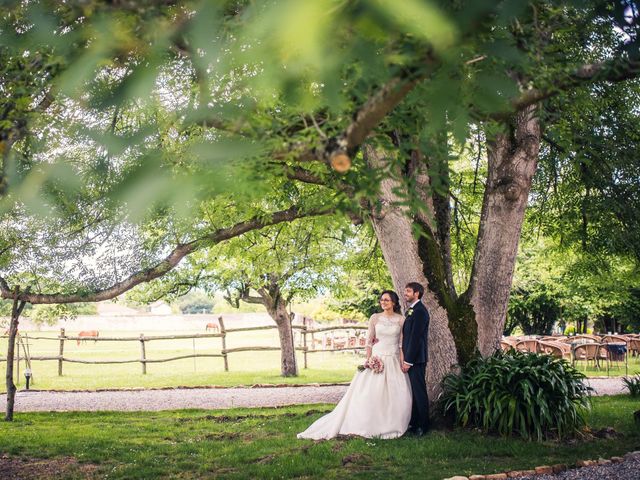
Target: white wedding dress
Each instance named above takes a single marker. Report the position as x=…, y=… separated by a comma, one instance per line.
x=375, y=404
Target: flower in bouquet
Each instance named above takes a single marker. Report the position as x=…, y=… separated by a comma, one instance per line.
x=374, y=363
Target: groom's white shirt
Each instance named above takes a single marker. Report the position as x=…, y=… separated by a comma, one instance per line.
x=410, y=307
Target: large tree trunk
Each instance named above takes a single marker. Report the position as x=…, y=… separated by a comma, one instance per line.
x=460, y=326
x=276, y=306
x=288, y=364
x=512, y=158
x=394, y=230
x=18, y=306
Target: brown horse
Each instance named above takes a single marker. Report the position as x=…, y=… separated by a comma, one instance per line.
x=212, y=326
x=88, y=335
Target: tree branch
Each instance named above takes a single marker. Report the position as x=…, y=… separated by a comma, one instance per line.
x=253, y=300
x=305, y=176
x=375, y=109
x=365, y=119
x=612, y=70
x=167, y=264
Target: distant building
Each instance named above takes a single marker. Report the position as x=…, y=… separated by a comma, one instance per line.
x=109, y=308
x=160, y=308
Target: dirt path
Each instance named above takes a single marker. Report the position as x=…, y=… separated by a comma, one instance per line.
x=207, y=398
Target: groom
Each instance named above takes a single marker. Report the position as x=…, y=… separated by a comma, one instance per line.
x=414, y=348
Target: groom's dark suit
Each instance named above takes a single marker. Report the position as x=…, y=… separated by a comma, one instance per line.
x=414, y=348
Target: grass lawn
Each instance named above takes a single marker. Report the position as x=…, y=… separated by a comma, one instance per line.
x=261, y=443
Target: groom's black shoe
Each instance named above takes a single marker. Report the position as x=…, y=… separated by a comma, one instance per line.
x=416, y=431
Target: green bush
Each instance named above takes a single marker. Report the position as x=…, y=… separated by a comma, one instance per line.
x=633, y=384
x=516, y=393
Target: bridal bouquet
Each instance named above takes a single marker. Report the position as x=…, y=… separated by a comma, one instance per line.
x=374, y=363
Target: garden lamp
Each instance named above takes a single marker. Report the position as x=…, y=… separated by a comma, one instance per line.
x=27, y=376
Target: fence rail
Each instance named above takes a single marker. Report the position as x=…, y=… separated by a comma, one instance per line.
x=131, y=339
x=224, y=352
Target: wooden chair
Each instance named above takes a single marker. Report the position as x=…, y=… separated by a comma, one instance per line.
x=567, y=340
x=614, y=339
x=530, y=345
x=555, y=349
x=552, y=338
x=585, y=338
x=634, y=348
x=506, y=346
x=587, y=352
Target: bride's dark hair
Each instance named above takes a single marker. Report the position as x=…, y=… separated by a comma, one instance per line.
x=394, y=299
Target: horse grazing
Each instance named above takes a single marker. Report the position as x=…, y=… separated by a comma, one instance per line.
x=88, y=334
x=212, y=326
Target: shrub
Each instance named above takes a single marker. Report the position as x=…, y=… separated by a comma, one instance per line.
x=516, y=393
x=633, y=384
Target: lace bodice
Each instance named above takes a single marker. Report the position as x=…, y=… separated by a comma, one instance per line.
x=388, y=332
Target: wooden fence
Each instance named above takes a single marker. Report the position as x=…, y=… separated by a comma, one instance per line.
x=346, y=344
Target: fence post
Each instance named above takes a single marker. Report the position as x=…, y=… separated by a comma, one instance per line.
x=17, y=340
x=143, y=358
x=304, y=344
x=61, y=352
x=313, y=335
x=224, y=343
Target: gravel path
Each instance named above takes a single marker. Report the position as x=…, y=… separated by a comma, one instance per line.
x=607, y=386
x=207, y=398
x=171, y=399
x=629, y=469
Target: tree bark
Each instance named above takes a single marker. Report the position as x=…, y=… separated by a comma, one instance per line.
x=276, y=306
x=288, y=363
x=394, y=230
x=18, y=306
x=512, y=158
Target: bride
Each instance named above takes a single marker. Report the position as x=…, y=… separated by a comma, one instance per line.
x=375, y=404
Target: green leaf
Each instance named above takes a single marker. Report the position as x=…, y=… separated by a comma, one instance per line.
x=424, y=19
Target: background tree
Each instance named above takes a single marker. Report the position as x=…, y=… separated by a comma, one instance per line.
x=273, y=267
x=535, y=311
x=196, y=302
